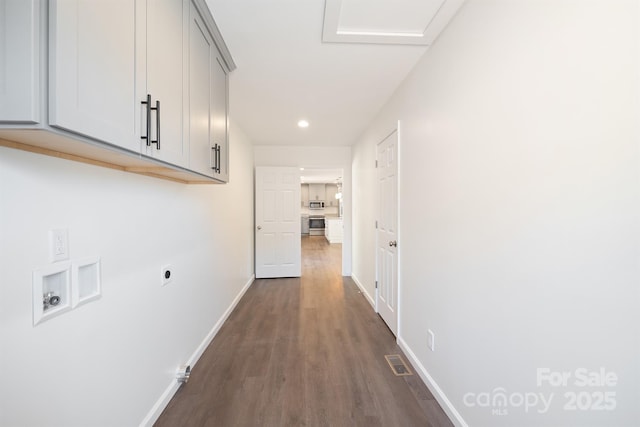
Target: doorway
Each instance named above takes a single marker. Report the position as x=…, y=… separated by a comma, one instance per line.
x=322, y=207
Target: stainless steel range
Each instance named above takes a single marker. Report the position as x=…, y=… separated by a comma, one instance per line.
x=316, y=225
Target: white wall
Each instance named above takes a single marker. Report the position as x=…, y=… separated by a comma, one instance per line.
x=364, y=203
x=520, y=207
x=322, y=158
x=109, y=362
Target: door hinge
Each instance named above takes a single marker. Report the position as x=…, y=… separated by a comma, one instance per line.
x=376, y=163
x=376, y=284
x=376, y=224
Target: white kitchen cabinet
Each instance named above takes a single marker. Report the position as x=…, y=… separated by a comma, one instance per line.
x=119, y=85
x=317, y=192
x=331, y=190
x=333, y=229
x=304, y=194
x=92, y=83
x=19, y=61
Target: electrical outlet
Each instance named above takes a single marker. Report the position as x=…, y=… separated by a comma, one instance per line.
x=431, y=340
x=167, y=274
x=59, y=244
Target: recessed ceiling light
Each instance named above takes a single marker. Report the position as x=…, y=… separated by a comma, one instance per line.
x=303, y=124
x=301, y=169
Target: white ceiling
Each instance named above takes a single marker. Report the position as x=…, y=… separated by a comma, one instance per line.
x=326, y=176
x=286, y=72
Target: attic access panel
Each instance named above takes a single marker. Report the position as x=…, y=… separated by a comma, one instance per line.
x=404, y=22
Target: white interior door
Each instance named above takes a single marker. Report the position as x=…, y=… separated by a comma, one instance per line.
x=387, y=231
x=278, y=245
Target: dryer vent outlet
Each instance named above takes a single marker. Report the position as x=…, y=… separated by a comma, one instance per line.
x=183, y=374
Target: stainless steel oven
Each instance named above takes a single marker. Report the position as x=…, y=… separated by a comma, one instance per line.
x=316, y=225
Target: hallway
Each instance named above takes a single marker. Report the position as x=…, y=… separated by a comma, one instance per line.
x=303, y=352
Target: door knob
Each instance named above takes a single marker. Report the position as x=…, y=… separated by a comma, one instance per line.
x=393, y=243
x=259, y=227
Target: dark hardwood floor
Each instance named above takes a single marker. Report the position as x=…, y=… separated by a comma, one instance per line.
x=303, y=352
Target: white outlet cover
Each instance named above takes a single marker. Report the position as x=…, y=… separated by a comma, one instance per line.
x=59, y=244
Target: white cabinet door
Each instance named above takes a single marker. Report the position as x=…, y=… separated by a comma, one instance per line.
x=92, y=85
x=316, y=192
x=19, y=61
x=305, y=194
x=167, y=83
x=331, y=191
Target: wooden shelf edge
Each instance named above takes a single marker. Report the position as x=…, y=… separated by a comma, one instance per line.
x=151, y=169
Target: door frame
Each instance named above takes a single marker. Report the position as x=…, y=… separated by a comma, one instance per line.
x=397, y=129
x=346, y=266
x=318, y=157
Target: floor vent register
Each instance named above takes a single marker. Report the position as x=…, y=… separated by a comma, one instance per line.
x=398, y=366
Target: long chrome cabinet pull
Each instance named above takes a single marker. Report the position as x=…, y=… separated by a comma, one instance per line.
x=148, y=108
x=157, y=141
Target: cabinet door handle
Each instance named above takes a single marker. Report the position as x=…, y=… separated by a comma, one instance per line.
x=148, y=108
x=215, y=149
x=157, y=110
x=218, y=160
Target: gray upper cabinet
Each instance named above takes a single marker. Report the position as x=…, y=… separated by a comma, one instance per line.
x=166, y=77
x=92, y=84
x=220, y=117
x=19, y=61
x=139, y=85
x=208, y=105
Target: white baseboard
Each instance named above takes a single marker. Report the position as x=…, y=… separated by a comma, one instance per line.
x=364, y=291
x=433, y=387
x=164, y=399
